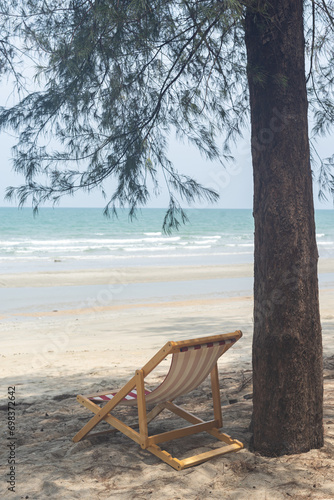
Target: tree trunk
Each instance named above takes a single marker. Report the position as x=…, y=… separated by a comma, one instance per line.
x=287, y=348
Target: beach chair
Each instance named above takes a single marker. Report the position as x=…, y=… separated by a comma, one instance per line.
x=192, y=361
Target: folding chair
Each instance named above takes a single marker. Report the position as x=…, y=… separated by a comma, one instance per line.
x=192, y=361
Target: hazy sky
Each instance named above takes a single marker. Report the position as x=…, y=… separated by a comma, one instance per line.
x=235, y=184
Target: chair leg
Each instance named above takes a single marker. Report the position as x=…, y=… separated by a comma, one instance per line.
x=166, y=457
x=203, y=457
x=101, y=413
x=195, y=459
x=217, y=409
x=155, y=412
x=142, y=416
x=231, y=445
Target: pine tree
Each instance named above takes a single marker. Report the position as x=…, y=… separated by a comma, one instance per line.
x=117, y=77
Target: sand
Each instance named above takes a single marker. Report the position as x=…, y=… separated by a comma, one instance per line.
x=50, y=356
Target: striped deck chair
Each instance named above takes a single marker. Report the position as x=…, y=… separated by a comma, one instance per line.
x=192, y=361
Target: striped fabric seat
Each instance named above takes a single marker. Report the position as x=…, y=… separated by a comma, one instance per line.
x=189, y=368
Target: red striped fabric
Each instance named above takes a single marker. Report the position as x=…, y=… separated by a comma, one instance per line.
x=211, y=344
x=132, y=396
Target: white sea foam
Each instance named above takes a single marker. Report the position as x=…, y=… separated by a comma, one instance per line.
x=210, y=237
x=57, y=241
x=203, y=242
x=198, y=247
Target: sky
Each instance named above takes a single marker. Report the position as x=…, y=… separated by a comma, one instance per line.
x=234, y=184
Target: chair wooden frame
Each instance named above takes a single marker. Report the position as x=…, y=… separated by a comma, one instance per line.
x=142, y=437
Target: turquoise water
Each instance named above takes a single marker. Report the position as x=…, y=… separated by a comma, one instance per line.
x=73, y=238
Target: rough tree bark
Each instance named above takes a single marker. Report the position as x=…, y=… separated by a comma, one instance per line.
x=287, y=347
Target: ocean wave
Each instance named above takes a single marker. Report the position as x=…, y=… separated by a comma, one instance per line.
x=35, y=250
x=25, y=258
x=203, y=242
x=149, y=249
x=68, y=241
x=197, y=247
x=239, y=244
x=210, y=237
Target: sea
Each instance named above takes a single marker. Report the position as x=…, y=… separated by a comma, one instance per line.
x=83, y=238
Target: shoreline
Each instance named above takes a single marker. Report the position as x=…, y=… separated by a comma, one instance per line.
x=126, y=275
x=52, y=294
x=144, y=274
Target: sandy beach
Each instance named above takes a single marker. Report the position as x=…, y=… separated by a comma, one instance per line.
x=80, y=344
